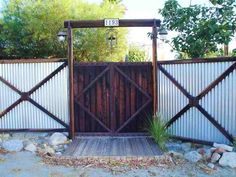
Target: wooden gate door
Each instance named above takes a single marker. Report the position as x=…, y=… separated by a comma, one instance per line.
x=112, y=97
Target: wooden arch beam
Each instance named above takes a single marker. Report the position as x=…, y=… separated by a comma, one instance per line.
x=122, y=23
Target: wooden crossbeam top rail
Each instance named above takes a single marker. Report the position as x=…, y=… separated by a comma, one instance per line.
x=92, y=64
x=198, y=60
x=122, y=23
x=38, y=60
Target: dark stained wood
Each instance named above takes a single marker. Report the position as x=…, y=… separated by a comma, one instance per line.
x=34, y=130
x=178, y=115
x=172, y=79
x=48, y=113
x=113, y=97
x=10, y=85
x=131, y=81
x=122, y=23
x=217, y=81
x=215, y=123
x=198, y=60
x=93, y=116
x=154, y=66
x=38, y=60
x=94, y=81
x=71, y=80
x=9, y=108
x=46, y=79
x=133, y=116
x=86, y=134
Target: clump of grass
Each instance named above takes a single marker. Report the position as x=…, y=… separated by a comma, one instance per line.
x=234, y=143
x=158, y=131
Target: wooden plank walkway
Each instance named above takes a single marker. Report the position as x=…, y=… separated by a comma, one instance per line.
x=128, y=146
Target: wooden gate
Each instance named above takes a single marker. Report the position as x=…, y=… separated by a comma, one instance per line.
x=112, y=97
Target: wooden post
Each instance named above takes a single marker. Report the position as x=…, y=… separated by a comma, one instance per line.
x=71, y=81
x=226, y=50
x=154, y=66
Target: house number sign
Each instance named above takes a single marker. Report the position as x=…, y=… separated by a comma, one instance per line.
x=111, y=22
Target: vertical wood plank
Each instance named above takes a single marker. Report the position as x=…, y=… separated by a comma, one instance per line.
x=99, y=98
x=154, y=66
x=93, y=97
x=71, y=81
x=112, y=98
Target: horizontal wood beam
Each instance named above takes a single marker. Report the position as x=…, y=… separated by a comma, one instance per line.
x=198, y=60
x=38, y=60
x=34, y=130
x=122, y=23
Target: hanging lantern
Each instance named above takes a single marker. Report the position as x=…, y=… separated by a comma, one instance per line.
x=111, y=38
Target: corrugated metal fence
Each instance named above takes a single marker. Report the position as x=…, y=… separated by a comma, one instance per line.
x=198, y=99
x=34, y=95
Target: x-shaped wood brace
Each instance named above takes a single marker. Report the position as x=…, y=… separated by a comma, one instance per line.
x=25, y=96
x=194, y=101
x=132, y=117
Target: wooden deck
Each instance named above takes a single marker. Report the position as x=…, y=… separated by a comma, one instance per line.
x=112, y=146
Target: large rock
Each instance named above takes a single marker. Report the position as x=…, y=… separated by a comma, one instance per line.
x=5, y=136
x=13, y=145
x=176, y=155
x=30, y=147
x=223, y=146
x=207, y=154
x=211, y=165
x=19, y=136
x=59, y=148
x=228, y=159
x=48, y=149
x=57, y=138
x=35, y=135
x=193, y=156
x=220, y=150
x=171, y=146
x=186, y=147
x=215, y=157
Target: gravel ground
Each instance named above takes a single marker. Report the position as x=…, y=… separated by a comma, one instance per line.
x=26, y=164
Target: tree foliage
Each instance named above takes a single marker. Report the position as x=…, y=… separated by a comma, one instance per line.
x=234, y=52
x=200, y=28
x=29, y=29
x=136, y=54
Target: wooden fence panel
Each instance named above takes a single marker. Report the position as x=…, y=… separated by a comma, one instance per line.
x=112, y=98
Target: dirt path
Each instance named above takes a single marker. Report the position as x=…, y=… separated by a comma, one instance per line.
x=26, y=164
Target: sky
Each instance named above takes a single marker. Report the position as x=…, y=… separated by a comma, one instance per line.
x=141, y=9
x=148, y=9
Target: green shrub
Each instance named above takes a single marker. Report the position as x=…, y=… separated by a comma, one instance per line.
x=136, y=54
x=158, y=131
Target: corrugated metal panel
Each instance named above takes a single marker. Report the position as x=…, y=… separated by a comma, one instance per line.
x=219, y=102
x=53, y=95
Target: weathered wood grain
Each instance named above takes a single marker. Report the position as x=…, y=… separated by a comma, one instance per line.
x=113, y=146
